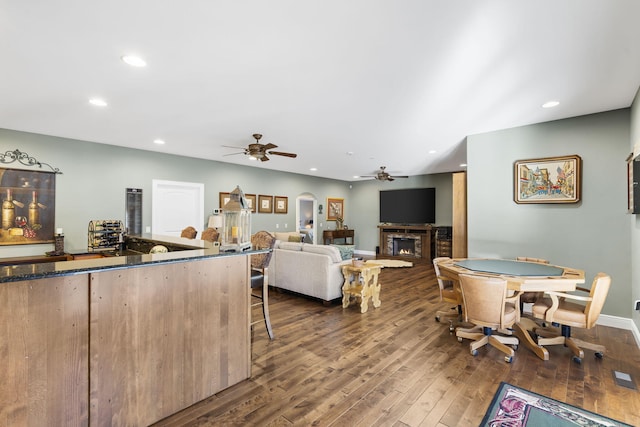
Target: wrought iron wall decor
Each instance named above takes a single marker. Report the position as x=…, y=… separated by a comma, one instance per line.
x=24, y=159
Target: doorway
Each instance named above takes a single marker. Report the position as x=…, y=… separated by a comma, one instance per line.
x=306, y=217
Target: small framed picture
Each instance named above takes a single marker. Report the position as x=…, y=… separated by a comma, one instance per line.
x=265, y=204
x=281, y=204
x=251, y=201
x=224, y=199
x=335, y=209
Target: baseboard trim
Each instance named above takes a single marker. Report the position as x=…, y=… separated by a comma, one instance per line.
x=620, y=323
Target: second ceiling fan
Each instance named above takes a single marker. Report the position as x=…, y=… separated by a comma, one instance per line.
x=383, y=175
x=259, y=151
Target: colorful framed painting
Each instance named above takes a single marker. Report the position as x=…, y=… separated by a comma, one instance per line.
x=28, y=207
x=265, y=204
x=547, y=180
x=280, y=204
x=335, y=209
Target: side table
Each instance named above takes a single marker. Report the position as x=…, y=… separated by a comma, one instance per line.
x=361, y=282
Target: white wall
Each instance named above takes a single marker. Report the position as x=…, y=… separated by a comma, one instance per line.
x=592, y=235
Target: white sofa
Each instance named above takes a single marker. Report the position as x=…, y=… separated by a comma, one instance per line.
x=313, y=270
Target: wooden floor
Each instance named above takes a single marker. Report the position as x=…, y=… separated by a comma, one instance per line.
x=397, y=366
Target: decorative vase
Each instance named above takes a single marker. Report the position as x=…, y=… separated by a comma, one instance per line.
x=338, y=224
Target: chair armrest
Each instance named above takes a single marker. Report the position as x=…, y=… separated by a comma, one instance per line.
x=555, y=298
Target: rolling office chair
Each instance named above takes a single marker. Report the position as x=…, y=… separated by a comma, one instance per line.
x=450, y=293
x=260, y=276
x=566, y=314
x=487, y=306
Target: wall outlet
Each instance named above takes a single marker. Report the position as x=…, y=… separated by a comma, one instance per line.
x=148, y=229
x=286, y=226
x=637, y=305
x=277, y=225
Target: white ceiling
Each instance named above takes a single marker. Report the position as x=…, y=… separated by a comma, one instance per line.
x=384, y=80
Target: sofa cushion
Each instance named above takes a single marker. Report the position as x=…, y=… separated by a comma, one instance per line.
x=283, y=236
x=332, y=252
x=295, y=238
x=290, y=246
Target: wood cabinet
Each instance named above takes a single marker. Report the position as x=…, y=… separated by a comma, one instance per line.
x=406, y=242
x=331, y=235
x=123, y=346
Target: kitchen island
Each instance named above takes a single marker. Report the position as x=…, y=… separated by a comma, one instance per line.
x=122, y=340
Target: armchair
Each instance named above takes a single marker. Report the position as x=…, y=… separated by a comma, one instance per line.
x=450, y=293
x=487, y=306
x=563, y=312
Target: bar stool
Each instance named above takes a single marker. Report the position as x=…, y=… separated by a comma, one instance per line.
x=260, y=277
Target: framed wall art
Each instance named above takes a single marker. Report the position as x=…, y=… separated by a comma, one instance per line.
x=547, y=180
x=251, y=201
x=265, y=204
x=28, y=206
x=224, y=199
x=335, y=209
x=280, y=204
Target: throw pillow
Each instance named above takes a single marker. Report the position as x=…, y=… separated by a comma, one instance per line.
x=295, y=239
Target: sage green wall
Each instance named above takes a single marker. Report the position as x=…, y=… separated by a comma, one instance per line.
x=592, y=235
x=635, y=219
x=365, y=198
x=95, y=176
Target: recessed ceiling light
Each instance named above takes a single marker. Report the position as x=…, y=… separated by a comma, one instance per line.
x=349, y=153
x=98, y=102
x=356, y=176
x=550, y=104
x=158, y=141
x=313, y=169
x=134, y=61
x=463, y=165
x=432, y=151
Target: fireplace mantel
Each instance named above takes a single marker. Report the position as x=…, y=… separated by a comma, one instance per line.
x=421, y=233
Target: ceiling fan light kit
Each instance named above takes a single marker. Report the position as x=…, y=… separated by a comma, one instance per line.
x=383, y=175
x=257, y=151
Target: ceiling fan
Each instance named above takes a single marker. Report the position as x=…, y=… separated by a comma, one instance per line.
x=383, y=175
x=257, y=151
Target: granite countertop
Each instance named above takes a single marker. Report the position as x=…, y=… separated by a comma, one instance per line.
x=194, y=249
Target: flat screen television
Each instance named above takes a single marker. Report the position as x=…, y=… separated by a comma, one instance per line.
x=408, y=206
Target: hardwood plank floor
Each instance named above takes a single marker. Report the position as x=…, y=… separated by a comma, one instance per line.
x=397, y=366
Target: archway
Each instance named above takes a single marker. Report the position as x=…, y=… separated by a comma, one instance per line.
x=307, y=216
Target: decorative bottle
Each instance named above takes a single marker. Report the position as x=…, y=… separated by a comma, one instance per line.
x=34, y=210
x=8, y=211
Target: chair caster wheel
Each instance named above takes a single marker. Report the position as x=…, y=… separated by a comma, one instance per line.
x=474, y=353
x=577, y=360
x=451, y=329
x=599, y=355
x=437, y=318
x=459, y=339
x=508, y=359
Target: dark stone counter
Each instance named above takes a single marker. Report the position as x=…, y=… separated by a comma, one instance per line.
x=180, y=250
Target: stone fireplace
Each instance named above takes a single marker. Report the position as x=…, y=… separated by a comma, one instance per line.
x=412, y=243
x=404, y=245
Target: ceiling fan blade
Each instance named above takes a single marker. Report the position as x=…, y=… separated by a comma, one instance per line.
x=232, y=154
x=389, y=179
x=280, y=153
x=230, y=146
x=269, y=146
x=400, y=176
x=264, y=158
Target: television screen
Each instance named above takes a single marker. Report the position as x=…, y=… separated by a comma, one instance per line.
x=408, y=206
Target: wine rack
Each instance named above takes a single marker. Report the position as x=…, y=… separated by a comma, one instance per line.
x=105, y=235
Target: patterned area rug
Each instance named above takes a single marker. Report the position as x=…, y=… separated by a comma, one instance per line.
x=513, y=406
x=389, y=262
